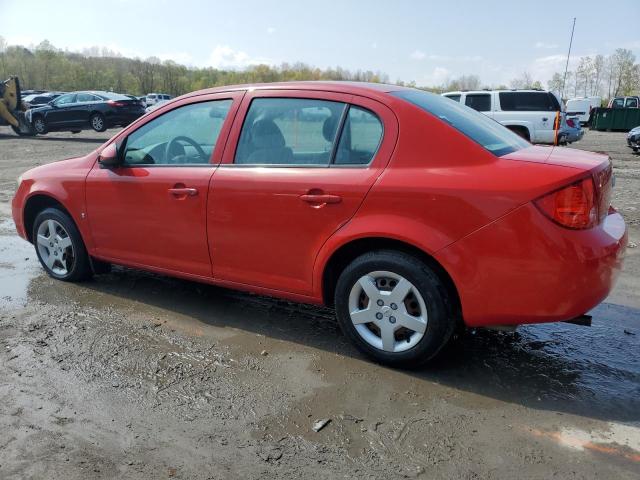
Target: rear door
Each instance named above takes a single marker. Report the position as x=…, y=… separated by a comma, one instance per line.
x=151, y=211
x=297, y=166
x=538, y=109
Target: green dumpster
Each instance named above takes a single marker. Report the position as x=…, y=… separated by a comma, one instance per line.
x=623, y=119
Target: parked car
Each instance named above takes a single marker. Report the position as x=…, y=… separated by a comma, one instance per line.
x=570, y=131
x=408, y=213
x=153, y=98
x=38, y=99
x=581, y=107
x=624, y=102
x=81, y=110
x=156, y=105
x=529, y=113
x=633, y=139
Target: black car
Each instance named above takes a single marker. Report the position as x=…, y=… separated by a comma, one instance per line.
x=80, y=110
x=39, y=99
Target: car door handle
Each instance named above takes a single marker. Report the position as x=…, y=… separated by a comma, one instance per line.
x=544, y=119
x=183, y=192
x=320, y=198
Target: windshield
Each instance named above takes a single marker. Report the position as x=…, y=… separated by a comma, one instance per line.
x=478, y=127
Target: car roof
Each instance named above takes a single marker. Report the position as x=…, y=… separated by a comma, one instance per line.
x=361, y=88
x=518, y=90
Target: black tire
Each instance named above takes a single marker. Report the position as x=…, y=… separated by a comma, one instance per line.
x=441, y=321
x=79, y=267
x=98, y=122
x=39, y=125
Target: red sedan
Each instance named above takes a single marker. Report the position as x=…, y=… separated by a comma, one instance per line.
x=409, y=213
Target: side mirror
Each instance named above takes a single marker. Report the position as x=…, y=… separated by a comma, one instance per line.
x=108, y=157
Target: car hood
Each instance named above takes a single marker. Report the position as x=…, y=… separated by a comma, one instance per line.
x=562, y=156
x=55, y=168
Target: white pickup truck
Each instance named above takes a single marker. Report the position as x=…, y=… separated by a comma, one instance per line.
x=529, y=113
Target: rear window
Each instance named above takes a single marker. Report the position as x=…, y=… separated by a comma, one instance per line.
x=478, y=101
x=528, y=102
x=478, y=127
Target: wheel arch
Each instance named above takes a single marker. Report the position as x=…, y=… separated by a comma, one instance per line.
x=37, y=203
x=352, y=249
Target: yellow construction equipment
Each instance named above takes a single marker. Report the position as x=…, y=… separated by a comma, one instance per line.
x=11, y=107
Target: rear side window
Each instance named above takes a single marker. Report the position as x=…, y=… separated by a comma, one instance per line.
x=477, y=126
x=528, y=102
x=361, y=136
x=478, y=101
x=631, y=103
x=453, y=97
x=289, y=131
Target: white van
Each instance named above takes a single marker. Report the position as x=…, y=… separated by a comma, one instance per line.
x=529, y=113
x=581, y=107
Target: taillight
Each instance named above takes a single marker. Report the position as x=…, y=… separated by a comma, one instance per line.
x=570, y=123
x=574, y=206
x=114, y=103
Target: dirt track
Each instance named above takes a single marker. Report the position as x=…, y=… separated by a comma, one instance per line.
x=134, y=375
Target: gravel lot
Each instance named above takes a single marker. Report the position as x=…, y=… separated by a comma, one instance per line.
x=134, y=375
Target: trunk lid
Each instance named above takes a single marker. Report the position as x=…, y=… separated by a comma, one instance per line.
x=562, y=156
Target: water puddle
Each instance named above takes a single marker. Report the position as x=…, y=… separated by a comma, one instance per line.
x=18, y=265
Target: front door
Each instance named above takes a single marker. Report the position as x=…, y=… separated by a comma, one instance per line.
x=62, y=111
x=296, y=169
x=151, y=211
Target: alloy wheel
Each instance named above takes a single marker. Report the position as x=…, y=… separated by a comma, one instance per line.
x=388, y=311
x=97, y=123
x=39, y=125
x=55, y=247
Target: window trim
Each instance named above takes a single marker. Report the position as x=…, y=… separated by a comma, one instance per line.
x=122, y=144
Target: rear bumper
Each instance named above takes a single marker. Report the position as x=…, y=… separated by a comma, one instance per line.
x=524, y=268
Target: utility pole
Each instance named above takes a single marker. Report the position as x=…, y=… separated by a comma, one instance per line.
x=566, y=66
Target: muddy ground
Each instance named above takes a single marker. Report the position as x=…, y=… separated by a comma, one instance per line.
x=134, y=375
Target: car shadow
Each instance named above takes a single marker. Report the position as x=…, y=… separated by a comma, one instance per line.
x=41, y=138
x=592, y=372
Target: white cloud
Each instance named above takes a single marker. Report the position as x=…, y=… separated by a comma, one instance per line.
x=545, y=45
x=417, y=55
x=224, y=56
x=374, y=45
x=271, y=30
x=438, y=76
x=182, y=58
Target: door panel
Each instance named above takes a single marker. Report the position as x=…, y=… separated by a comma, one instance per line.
x=135, y=217
x=266, y=224
x=152, y=212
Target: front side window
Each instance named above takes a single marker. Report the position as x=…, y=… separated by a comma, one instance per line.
x=65, y=99
x=480, y=102
x=289, y=131
x=478, y=127
x=618, y=103
x=184, y=136
x=360, y=138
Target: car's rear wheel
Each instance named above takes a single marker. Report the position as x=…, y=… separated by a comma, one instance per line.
x=39, y=125
x=59, y=246
x=394, y=308
x=97, y=122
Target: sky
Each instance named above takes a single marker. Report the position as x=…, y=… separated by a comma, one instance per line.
x=422, y=41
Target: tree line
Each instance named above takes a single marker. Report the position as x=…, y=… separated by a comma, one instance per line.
x=46, y=67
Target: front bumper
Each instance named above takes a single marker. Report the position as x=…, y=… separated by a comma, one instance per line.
x=16, y=210
x=524, y=268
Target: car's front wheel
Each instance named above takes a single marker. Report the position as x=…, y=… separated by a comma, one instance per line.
x=39, y=125
x=98, y=122
x=394, y=308
x=59, y=246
